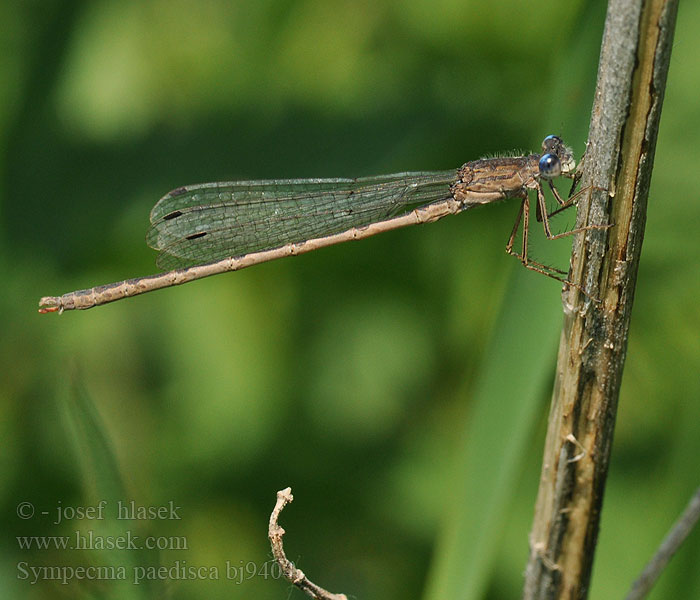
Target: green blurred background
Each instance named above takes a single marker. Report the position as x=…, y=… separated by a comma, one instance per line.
x=400, y=385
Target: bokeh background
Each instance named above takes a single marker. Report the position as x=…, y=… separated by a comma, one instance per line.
x=400, y=385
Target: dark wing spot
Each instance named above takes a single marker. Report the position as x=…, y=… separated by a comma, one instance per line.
x=172, y=215
x=194, y=236
x=177, y=191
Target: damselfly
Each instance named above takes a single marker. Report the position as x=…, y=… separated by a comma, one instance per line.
x=211, y=228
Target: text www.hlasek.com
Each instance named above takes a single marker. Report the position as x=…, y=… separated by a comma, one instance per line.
x=90, y=541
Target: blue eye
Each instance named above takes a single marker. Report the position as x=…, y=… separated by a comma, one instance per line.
x=550, y=166
x=552, y=143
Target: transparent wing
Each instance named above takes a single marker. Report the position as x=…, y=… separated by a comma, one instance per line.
x=208, y=222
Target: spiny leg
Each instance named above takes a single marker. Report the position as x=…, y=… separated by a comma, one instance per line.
x=536, y=267
x=572, y=199
x=547, y=231
x=524, y=216
x=511, y=239
x=563, y=205
x=526, y=227
x=545, y=269
x=551, y=272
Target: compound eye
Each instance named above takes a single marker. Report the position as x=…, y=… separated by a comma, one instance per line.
x=550, y=166
x=552, y=143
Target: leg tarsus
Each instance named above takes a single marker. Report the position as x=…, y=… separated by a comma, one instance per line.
x=536, y=267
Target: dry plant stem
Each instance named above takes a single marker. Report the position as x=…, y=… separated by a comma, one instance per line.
x=291, y=573
x=680, y=530
x=631, y=80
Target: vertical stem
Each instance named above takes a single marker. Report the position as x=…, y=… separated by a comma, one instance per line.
x=622, y=139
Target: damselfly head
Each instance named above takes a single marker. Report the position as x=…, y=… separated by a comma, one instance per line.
x=554, y=145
